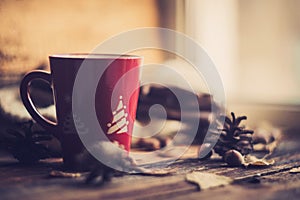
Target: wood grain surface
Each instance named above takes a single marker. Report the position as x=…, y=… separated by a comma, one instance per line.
x=275, y=182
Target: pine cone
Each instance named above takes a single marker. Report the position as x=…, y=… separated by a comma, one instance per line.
x=25, y=144
x=234, y=137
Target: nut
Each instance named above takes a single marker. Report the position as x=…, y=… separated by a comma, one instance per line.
x=148, y=144
x=234, y=158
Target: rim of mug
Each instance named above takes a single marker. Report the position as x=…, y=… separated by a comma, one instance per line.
x=94, y=56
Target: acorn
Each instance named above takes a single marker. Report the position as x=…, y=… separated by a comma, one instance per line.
x=234, y=158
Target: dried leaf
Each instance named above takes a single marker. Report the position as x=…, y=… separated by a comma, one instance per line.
x=295, y=170
x=257, y=162
x=150, y=172
x=207, y=180
x=61, y=174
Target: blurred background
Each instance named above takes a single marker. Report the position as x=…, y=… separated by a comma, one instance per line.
x=255, y=44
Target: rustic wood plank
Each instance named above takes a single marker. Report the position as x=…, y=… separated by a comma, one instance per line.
x=246, y=193
x=32, y=182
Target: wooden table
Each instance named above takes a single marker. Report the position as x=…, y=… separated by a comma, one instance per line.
x=275, y=182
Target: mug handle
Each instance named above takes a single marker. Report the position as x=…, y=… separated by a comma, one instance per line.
x=25, y=96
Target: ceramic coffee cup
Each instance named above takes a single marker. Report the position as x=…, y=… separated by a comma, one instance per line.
x=115, y=109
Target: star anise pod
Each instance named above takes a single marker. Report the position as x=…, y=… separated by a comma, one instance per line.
x=233, y=136
x=26, y=144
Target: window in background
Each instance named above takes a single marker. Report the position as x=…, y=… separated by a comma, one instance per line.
x=254, y=44
x=270, y=51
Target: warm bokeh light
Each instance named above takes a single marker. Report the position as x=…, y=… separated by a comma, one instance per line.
x=32, y=30
x=255, y=45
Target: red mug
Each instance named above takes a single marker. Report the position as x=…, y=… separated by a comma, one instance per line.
x=115, y=117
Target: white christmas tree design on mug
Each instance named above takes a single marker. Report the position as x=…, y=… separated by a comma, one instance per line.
x=119, y=122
